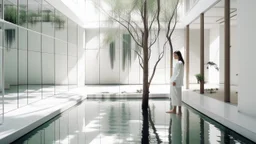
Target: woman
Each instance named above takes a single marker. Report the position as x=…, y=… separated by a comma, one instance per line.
x=177, y=82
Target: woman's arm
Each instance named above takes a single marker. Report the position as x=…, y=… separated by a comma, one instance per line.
x=179, y=65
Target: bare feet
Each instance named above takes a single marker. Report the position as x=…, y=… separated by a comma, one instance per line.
x=171, y=111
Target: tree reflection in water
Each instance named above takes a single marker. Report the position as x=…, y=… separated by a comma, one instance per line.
x=147, y=120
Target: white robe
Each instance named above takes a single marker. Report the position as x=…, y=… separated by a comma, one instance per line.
x=177, y=77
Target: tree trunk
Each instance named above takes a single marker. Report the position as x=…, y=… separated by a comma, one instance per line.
x=171, y=63
x=145, y=76
x=171, y=56
x=145, y=36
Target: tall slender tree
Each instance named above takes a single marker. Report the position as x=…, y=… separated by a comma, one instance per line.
x=142, y=20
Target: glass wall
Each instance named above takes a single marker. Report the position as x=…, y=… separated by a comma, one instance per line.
x=189, y=4
x=38, y=50
x=1, y=74
x=116, y=62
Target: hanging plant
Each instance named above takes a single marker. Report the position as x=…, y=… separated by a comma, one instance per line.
x=10, y=15
x=126, y=52
x=47, y=15
x=112, y=52
x=9, y=37
x=32, y=18
x=210, y=63
x=59, y=22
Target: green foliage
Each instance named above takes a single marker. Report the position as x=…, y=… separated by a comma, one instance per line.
x=199, y=78
x=10, y=14
x=112, y=52
x=126, y=51
x=9, y=37
x=210, y=63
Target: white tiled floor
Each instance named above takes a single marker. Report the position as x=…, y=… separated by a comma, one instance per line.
x=224, y=113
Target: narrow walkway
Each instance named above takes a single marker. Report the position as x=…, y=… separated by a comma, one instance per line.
x=223, y=113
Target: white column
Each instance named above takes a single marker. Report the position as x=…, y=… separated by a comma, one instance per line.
x=246, y=52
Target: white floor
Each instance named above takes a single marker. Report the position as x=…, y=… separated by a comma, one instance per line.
x=224, y=113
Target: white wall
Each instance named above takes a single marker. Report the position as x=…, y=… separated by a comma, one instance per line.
x=194, y=45
x=246, y=54
x=214, y=52
x=234, y=69
x=98, y=69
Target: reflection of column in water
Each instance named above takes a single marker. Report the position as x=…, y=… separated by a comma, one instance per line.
x=186, y=116
x=176, y=129
x=225, y=139
x=201, y=131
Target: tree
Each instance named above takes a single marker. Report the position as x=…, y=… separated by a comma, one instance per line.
x=169, y=25
x=141, y=19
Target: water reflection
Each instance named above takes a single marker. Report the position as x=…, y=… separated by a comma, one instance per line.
x=145, y=127
x=114, y=122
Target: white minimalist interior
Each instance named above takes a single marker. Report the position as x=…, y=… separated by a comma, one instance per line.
x=57, y=52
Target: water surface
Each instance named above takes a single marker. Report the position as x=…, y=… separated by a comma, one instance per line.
x=123, y=121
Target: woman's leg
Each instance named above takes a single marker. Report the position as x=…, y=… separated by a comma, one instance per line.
x=179, y=95
x=173, y=95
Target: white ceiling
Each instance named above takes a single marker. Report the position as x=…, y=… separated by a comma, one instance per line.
x=215, y=15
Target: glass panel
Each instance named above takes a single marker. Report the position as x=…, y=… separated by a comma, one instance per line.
x=11, y=80
x=10, y=11
x=72, y=49
x=60, y=26
x=72, y=72
x=34, y=76
x=1, y=75
x=23, y=67
x=92, y=67
x=34, y=15
x=109, y=64
x=61, y=73
x=47, y=19
x=48, y=74
x=23, y=39
x=1, y=10
x=23, y=78
x=34, y=43
x=134, y=73
x=124, y=63
x=23, y=13
x=47, y=44
x=72, y=32
x=11, y=68
x=61, y=47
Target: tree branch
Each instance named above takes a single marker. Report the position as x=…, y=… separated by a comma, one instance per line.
x=158, y=23
x=154, y=70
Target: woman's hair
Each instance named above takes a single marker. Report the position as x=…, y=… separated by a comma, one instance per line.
x=178, y=53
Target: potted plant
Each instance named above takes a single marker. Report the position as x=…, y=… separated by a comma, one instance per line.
x=199, y=78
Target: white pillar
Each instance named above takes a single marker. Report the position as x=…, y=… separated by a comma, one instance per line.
x=246, y=52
